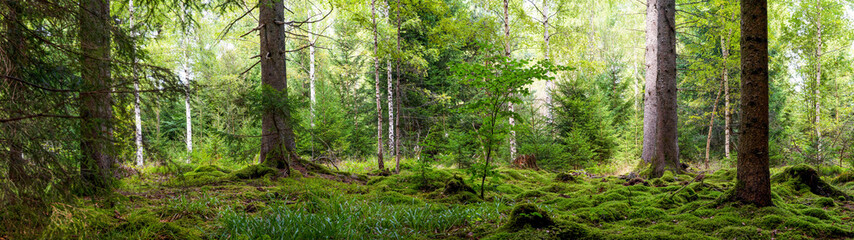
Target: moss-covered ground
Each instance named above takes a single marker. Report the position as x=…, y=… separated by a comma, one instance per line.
x=210, y=202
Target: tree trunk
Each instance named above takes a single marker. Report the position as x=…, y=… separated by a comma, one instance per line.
x=277, y=141
x=546, y=56
x=377, y=88
x=311, y=76
x=507, y=54
x=137, y=120
x=390, y=109
x=818, y=88
x=753, y=177
x=711, y=125
x=96, y=110
x=727, y=109
x=187, y=78
x=397, y=98
x=15, y=48
x=660, y=147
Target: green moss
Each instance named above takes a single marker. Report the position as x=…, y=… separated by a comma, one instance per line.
x=210, y=168
x=607, y=212
x=798, y=179
x=556, y=188
x=462, y=197
x=742, y=232
x=668, y=176
x=528, y=195
x=723, y=175
x=816, y=213
x=565, y=177
x=847, y=176
x=572, y=203
x=397, y=198
x=769, y=222
x=456, y=185
x=648, y=213
x=824, y=202
x=527, y=215
x=254, y=171
x=657, y=182
x=509, y=189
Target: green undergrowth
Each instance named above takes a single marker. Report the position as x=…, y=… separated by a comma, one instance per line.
x=254, y=202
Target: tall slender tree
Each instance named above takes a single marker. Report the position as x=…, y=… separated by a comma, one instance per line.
x=15, y=48
x=753, y=175
x=377, y=88
x=277, y=141
x=137, y=120
x=507, y=52
x=660, y=147
x=390, y=101
x=96, y=110
x=187, y=77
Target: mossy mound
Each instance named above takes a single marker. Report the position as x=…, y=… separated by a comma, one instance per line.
x=254, y=171
x=210, y=168
x=796, y=179
x=565, y=177
x=847, y=176
x=527, y=215
x=456, y=185
x=824, y=202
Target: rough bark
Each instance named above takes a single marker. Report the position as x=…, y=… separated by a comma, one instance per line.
x=96, y=111
x=15, y=48
x=277, y=141
x=753, y=176
x=727, y=108
x=660, y=147
x=380, y=164
x=137, y=120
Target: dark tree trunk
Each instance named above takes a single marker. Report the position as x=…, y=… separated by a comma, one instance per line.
x=397, y=98
x=96, y=111
x=754, y=184
x=277, y=141
x=15, y=48
x=660, y=147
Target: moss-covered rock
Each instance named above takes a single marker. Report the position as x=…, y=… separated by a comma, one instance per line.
x=565, y=177
x=456, y=185
x=824, y=202
x=803, y=177
x=847, y=176
x=527, y=215
x=816, y=213
x=254, y=171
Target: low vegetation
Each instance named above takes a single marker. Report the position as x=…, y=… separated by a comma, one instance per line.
x=519, y=204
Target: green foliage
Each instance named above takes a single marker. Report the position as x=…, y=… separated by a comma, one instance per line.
x=254, y=171
x=527, y=215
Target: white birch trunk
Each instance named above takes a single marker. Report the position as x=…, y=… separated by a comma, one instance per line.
x=507, y=54
x=818, y=88
x=390, y=109
x=311, y=75
x=377, y=88
x=136, y=112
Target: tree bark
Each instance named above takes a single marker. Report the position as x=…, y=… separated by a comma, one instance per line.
x=711, y=125
x=277, y=141
x=727, y=109
x=546, y=56
x=137, y=120
x=818, y=86
x=507, y=54
x=397, y=97
x=390, y=109
x=15, y=49
x=380, y=164
x=311, y=76
x=185, y=65
x=660, y=147
x=753, y=176
x=95, y=101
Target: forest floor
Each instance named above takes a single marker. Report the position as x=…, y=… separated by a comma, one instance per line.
x=209, y=202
